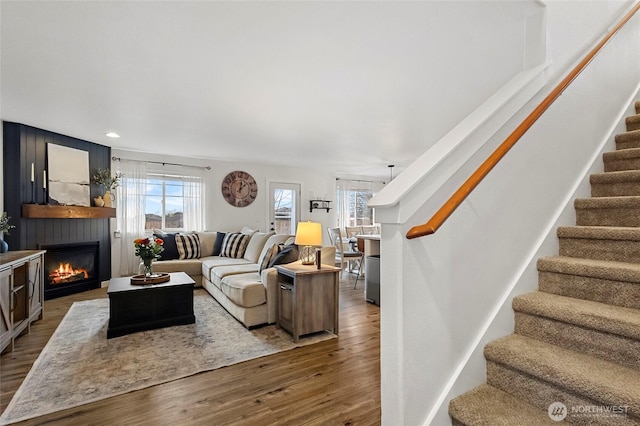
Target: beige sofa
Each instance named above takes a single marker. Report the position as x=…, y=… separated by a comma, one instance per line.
x=251, y=297
x=193, y=267
x=237, y=284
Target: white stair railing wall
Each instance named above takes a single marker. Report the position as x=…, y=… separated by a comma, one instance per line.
x=449, y=293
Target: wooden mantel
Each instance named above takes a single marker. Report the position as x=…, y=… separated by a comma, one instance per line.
x=46, y=211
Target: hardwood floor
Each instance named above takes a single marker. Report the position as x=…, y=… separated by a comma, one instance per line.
x=336, y=382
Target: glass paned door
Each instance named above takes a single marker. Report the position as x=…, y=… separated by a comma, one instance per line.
x=284, y=202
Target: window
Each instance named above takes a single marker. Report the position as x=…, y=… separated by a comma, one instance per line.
x=172, y=197
x=352, y=198
x=167, y=198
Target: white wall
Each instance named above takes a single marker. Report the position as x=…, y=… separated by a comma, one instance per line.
x=447, y=294
x=224, y=217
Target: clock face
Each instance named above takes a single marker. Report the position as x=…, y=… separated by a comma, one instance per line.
x=239, y=188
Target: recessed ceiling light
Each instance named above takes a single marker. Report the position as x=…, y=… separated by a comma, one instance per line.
x=112, y=135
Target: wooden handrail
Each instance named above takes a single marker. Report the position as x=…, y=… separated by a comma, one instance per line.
x=469, y=185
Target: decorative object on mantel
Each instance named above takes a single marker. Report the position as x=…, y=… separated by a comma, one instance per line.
x=45, y=198
x=319, y=204
x=33, y=184
x=4, y=229
x=109, y=183
x=68, y=170
x=98, y=201
x=148, y=249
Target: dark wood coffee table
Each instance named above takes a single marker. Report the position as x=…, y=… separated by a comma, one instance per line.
x=135, y=308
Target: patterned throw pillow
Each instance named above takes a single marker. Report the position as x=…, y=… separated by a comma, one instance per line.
x=234, y=245
x=188, y=246
x=286, y=254
x=266, y=258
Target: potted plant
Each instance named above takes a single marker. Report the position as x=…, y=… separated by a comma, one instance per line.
x=110, y=183
x=4, y=229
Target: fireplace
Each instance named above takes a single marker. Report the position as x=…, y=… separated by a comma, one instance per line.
x=70, y=268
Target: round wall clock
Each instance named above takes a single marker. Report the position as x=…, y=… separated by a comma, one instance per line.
x=239, y=188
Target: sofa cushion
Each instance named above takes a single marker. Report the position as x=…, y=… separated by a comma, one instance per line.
x=208, y=263
x=244, y=289
x=217, y=247
x=188, y=246
x=192, y=267
x=248, y=231
x=170, y=249
x=220, y=272
x=234, y=245
x=255, y=246
x=207, y=242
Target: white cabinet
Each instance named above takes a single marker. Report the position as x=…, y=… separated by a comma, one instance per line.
x=21, y=293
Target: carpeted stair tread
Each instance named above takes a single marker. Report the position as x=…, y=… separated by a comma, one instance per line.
x=604, y=382
x=628, y=140
x=616, y=177
x=621, y=154
x=607, y=202
x=621, y=244
x=604, y=269
x=584, y=313
x=633, y=122
x=627, y=233
x=615, y=184
x=631, y=135
x=622, y=159
x=489, y=406
x=613, y=282
x=608, y=211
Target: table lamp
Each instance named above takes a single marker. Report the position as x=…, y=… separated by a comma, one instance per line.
x=308, y=234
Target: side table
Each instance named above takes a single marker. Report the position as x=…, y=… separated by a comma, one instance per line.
x=307, y=299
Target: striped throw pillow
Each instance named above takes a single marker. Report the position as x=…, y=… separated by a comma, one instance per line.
x=234, y=245
x=188, y=246
x=266, y=258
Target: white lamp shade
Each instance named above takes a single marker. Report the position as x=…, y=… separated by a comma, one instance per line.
x=309, y=234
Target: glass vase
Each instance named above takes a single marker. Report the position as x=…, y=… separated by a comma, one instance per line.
x=148, y=268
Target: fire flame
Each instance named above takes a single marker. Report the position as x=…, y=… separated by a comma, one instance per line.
x=65, y=273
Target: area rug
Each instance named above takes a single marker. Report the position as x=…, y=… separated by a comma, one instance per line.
x=79, y=365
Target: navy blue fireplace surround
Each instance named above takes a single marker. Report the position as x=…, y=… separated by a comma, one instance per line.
x=24, y=145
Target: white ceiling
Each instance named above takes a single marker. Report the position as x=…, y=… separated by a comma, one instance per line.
x=342, y=86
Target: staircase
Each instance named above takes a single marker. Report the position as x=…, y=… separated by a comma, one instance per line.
x=577, y=339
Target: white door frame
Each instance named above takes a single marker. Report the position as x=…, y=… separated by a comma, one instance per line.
x=281, y=183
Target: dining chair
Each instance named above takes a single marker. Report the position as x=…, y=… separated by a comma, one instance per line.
x=352, y=231
x=371, y=230
x=344, y=255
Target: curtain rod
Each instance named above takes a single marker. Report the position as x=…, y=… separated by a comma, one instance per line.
x=360, y=180
x=163, y=163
